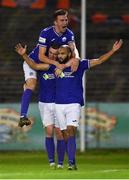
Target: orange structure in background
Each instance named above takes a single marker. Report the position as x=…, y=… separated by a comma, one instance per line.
x=8, y=3
x=99, y=18
x=64, y=4
x=39, y=4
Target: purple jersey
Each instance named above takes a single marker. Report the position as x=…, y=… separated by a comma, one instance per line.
x=47, y=86
x=48, y=36
x=69, y=89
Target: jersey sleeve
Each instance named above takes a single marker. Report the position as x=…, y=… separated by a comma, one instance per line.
x=52, y=68
x=70, y=37
x=85, y=64
x=43, y=38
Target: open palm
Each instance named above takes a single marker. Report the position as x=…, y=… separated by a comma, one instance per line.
x=20, y=49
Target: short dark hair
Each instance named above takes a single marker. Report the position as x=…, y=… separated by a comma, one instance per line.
x=54, y=45
x=60, y=12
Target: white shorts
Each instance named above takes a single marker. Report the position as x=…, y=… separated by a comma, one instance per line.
x=29, y=72
x=47, y=113
x=68, y=115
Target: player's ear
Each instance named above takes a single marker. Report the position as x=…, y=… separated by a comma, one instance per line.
x=55, y=22
x=69, y=55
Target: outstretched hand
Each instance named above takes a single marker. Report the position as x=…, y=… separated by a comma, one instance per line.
x=20, y=49
x=117, y=45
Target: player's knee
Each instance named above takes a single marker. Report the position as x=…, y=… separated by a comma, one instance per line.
x=71, y=130
x=30, y=84
x=49, y=131
x=59, y=134
x=65, y=135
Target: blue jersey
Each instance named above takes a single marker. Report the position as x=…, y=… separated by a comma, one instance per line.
x=48, y=36
x=47, y=86
x=69, y=89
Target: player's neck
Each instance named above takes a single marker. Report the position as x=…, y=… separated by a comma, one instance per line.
x=56, y=29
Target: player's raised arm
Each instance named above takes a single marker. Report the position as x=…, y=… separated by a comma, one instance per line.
x=116, y=46
x=22, y=52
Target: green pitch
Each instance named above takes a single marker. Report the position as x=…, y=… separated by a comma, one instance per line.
x=97, y=164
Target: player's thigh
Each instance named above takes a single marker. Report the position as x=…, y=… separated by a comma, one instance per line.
x=47, y=113
x=60, y=116
x=73, y=113
x=29, y=72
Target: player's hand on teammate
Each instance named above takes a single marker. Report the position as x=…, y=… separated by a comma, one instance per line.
x=60, y=66
x=117, y=45
x=20, y=49
x=74, y=64
x=58, y=72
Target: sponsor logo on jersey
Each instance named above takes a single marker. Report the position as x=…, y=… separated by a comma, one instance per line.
x=66, y=75
x=48, y=76
x=45, y=76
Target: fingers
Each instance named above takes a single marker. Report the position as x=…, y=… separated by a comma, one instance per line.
x=19, y=46
x=117, y=44
x=120, y=42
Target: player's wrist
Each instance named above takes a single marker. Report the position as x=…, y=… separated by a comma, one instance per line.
x=24, y=55
x=55, y=63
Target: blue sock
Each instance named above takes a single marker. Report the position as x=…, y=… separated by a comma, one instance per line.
x=66, y=150
x=60, y=151
x=25, y=101
x=50, y=147
x=71, y=148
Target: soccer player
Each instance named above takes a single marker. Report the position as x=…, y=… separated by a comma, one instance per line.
x=47, y=105
x=59, y=34
x=69, y=95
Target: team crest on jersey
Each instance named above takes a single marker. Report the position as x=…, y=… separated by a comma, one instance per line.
x=64, y=39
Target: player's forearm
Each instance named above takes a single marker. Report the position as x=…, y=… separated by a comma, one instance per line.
x=46, y=60
x=34, y=65
x=105, y=57
x=76, y=53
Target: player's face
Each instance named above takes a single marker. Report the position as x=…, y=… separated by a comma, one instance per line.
x=62, y=54
x=61, y=23
x=53, y=53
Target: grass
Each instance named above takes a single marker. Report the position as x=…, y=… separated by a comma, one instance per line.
x=94, y=164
